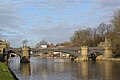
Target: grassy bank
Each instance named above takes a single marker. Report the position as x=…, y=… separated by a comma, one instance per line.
x=5, y=73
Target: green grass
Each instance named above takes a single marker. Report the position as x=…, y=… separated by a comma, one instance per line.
x=5, y=74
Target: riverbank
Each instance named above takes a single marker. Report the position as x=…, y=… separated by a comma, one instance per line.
x=6, y=73
x=99, y=58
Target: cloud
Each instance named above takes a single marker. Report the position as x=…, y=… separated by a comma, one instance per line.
x=9, y=19
x=108, y=5
x=52, y=20
x=58, y=33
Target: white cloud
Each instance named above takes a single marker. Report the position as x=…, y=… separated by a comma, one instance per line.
x=16, y=16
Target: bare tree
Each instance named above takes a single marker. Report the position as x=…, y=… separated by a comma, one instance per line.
x=115, y=35
x=116, y=21
x=82, y=37
x=91, y=36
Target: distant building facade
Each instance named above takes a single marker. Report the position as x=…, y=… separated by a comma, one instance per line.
x=42, y=44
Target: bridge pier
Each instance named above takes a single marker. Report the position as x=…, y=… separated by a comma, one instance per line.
x=84, y=53
x=108, y=52
x=107, y=49
x=25, y=55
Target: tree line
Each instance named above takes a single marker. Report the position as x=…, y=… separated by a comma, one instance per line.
x=93, y=36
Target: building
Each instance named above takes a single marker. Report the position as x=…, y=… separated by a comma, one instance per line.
x=42, y=44
x=3, y=44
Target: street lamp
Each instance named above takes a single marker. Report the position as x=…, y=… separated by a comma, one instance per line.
x=25, y=43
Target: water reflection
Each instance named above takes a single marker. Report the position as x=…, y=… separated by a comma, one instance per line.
x=84, y=70
x=108, y=70
x=61, y=69
x=25, y=69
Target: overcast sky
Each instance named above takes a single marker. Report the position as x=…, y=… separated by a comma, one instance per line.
x=51, y=20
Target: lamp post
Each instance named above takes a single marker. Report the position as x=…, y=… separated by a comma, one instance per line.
x=25, y=43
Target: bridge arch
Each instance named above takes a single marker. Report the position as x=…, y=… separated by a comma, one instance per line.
x=7, y=54
x=93, y=54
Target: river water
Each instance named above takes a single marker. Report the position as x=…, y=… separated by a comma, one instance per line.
x=64, y=69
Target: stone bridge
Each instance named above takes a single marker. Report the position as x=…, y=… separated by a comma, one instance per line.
x=74, y=51
x=83, y=52
x=26, y=51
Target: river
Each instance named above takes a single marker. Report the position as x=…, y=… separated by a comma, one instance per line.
x=64, y=69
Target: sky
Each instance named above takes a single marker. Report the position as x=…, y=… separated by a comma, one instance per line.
x=51, y=20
